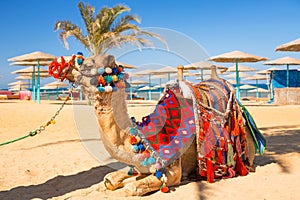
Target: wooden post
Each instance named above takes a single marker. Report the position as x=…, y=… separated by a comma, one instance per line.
x=180, y=73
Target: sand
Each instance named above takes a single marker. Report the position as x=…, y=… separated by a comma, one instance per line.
x=56, y=164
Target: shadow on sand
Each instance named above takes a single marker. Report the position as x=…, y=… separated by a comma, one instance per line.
x=60, y=185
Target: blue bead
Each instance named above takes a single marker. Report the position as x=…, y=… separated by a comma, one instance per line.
x=158, y=174
x=100, y=70
x=141, y=147
x=151, y=160
x=115, y=70
x=101, y=89
x=135, y=148
x=145, y=162
x=133, y=131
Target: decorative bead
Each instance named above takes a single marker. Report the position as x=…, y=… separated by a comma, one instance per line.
x=146, y=154
x=151, y=160
x=52, y=122
x=164, y=188
x=138, y=139
x=158, y=174
x=101, y=80
x=108, y=70
x=108, y=79
x=114, y=78
x=126, y=76
x=132, y=140
x=114, y=88
x=133, y=131
x=101, y=89
x=115, y=70
x=145, y=162
x=120, y=69
x=120, y=84
x=152, y=169
x=121, y=76
x=141, y=146
x=157, y=165
x=164, y=179
x=100, y=71
x=140, y=156
x=135, y=148
x=108, y=88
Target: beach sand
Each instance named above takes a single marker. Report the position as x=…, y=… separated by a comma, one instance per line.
x=56, y=164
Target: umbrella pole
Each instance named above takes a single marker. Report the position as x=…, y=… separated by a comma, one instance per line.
x=38, y=84
x=256, y=88
x=150, y=95
x=80, y=95
x=33, y=84
x=202, y=77
x=160, y=89
x=287, y=76
x=130, y=88
x=237, y=79
x=169, y=76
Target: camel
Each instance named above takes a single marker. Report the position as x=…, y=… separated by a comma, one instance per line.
x=117, y=128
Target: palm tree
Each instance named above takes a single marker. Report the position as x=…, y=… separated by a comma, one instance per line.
x=106, y=30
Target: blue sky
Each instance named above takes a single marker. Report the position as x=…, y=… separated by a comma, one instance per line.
x=219, y=26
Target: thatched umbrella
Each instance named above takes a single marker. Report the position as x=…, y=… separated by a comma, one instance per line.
x=165, y=70
x=203, y=65
x=241, y=69
x=56, y=85
x=256, y=78
x=237, y=57
x=148, y=73
x=284, y=61
x=290, y=46
x=36, y=59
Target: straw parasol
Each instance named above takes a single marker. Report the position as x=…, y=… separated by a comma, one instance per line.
x=56, y=85
x=241, y=69
x=256, y=78
x=149, y=73
x=284, y=61
x=18, y=83
x=203, y=65
x=237, y=57
x=165, y=70
x=125, y=65
x=290, y=46
x=267, y=71
x=36, y=58
x=233, y=75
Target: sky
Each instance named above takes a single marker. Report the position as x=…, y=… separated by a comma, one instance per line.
x=201, y=28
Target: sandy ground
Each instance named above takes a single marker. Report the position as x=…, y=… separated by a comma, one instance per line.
x=66, y=162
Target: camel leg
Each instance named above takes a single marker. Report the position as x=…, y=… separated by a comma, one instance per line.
x=151, y=183
x=114, y=180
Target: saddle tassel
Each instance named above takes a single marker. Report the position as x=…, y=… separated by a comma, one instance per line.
x=210, y=171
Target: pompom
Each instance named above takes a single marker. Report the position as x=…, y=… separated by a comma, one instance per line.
x=108, y=88
x=152, y=170
x=133, y=131
x=138, y=139
x=157, y=165
x=126, y=76
x=101, y=80
x=114, y=88
x=141, y=147
x=146, y=154
x=164, y=188
x=145, y=162
x=158, y=174
x=108, y=79
x=108, y=70
x=115, y=70
x=140, y=156
x=151, y=160
x=120, y=84
x=101, y=89
x=114, y=78
x=100, y=71
x=135, y=148
x=120, y=69
x=132, y=140
x=164, y=178
x=121, y=76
